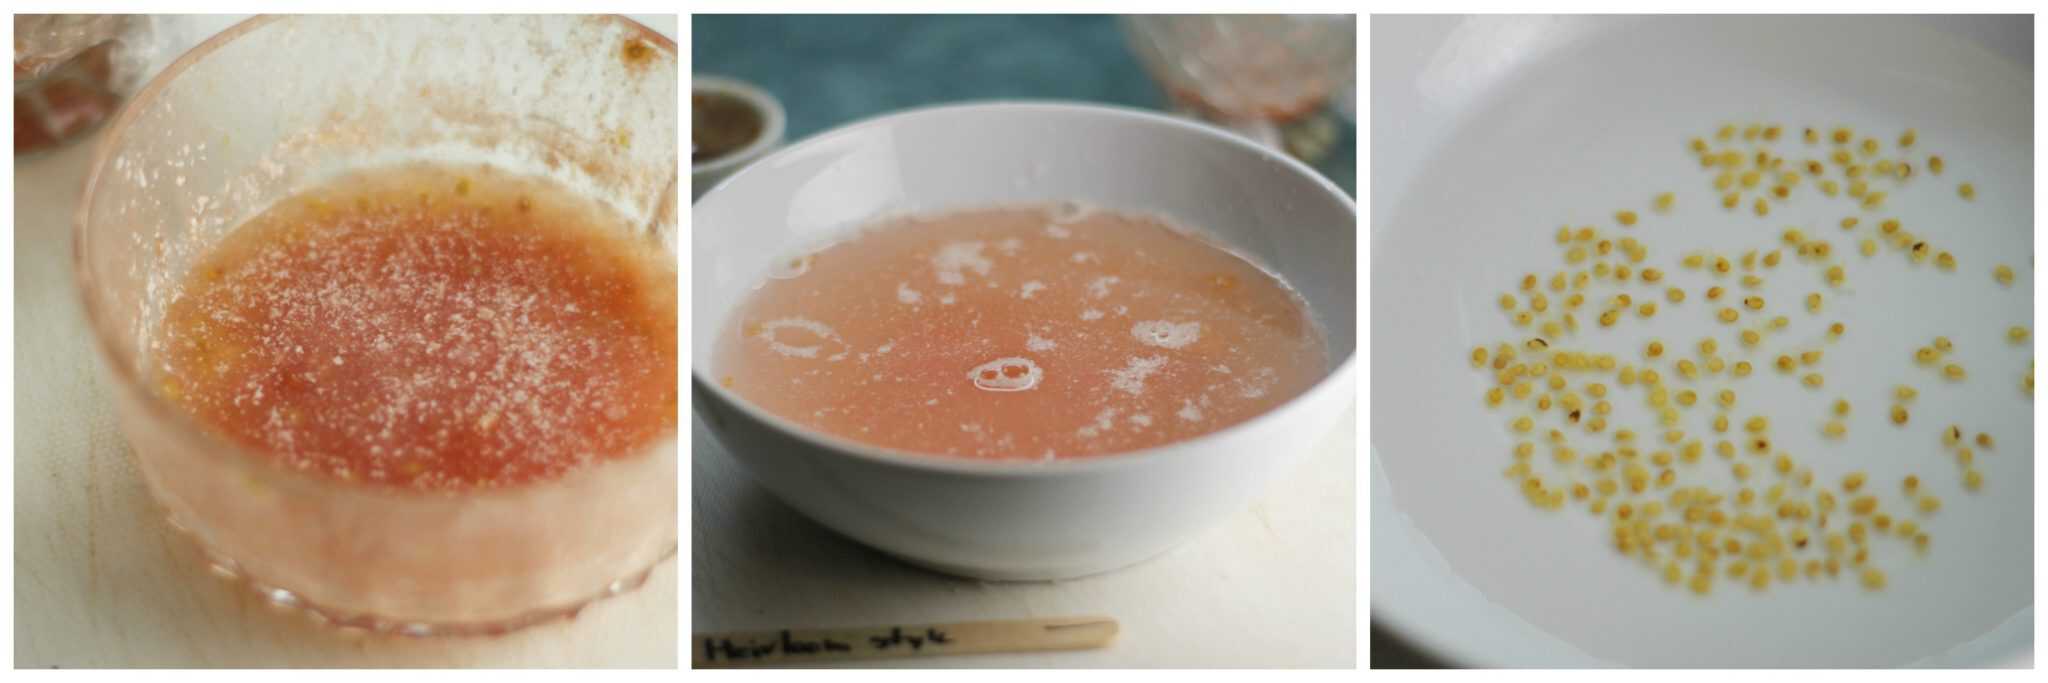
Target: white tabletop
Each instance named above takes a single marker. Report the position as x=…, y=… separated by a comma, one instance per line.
x=1273, y=586
x=101, y=581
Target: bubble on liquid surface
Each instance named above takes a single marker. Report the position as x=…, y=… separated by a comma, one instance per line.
x=1104, y=421
x=1256, y=385
x=1006, y=374
x=1131, y=379
x=771, y=332
x=791, y=268
x=957, y=257
x=1054, y=231
x=1166, y=335
x=1099, y=287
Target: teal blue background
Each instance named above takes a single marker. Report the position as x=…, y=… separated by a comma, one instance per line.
x=834, y=69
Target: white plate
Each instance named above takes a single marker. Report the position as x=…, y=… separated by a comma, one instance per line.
x=1490, y=133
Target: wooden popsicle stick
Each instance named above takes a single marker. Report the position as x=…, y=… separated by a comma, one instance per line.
x=798, y=646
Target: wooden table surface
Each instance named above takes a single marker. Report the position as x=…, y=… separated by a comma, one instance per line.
x=101, y=581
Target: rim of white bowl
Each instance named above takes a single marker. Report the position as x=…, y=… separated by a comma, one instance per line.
x=1037, y=468
x=773, y=122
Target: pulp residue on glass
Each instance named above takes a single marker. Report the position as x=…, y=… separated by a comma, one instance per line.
x=435, y=328
x=1028, y=333
x=636, y=53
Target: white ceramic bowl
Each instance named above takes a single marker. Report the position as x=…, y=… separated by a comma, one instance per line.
x=1013, y=520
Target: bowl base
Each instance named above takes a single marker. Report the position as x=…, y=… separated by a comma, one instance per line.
x=356, y=623
x=1027, y=575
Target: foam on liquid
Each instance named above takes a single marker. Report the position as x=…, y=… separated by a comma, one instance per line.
x=1027, y=333
x=429, y=328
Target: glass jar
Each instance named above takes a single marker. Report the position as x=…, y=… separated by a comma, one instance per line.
x=277, y=104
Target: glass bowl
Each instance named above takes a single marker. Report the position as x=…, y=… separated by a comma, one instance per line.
x=1268, y=77
x=277, y=104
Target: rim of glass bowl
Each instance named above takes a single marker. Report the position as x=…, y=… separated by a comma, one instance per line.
x=1035, y=468
x=186, y=425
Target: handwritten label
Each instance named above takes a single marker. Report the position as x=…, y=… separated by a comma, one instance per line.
x=724, y=649
x=769, y=648
x=896, y=638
